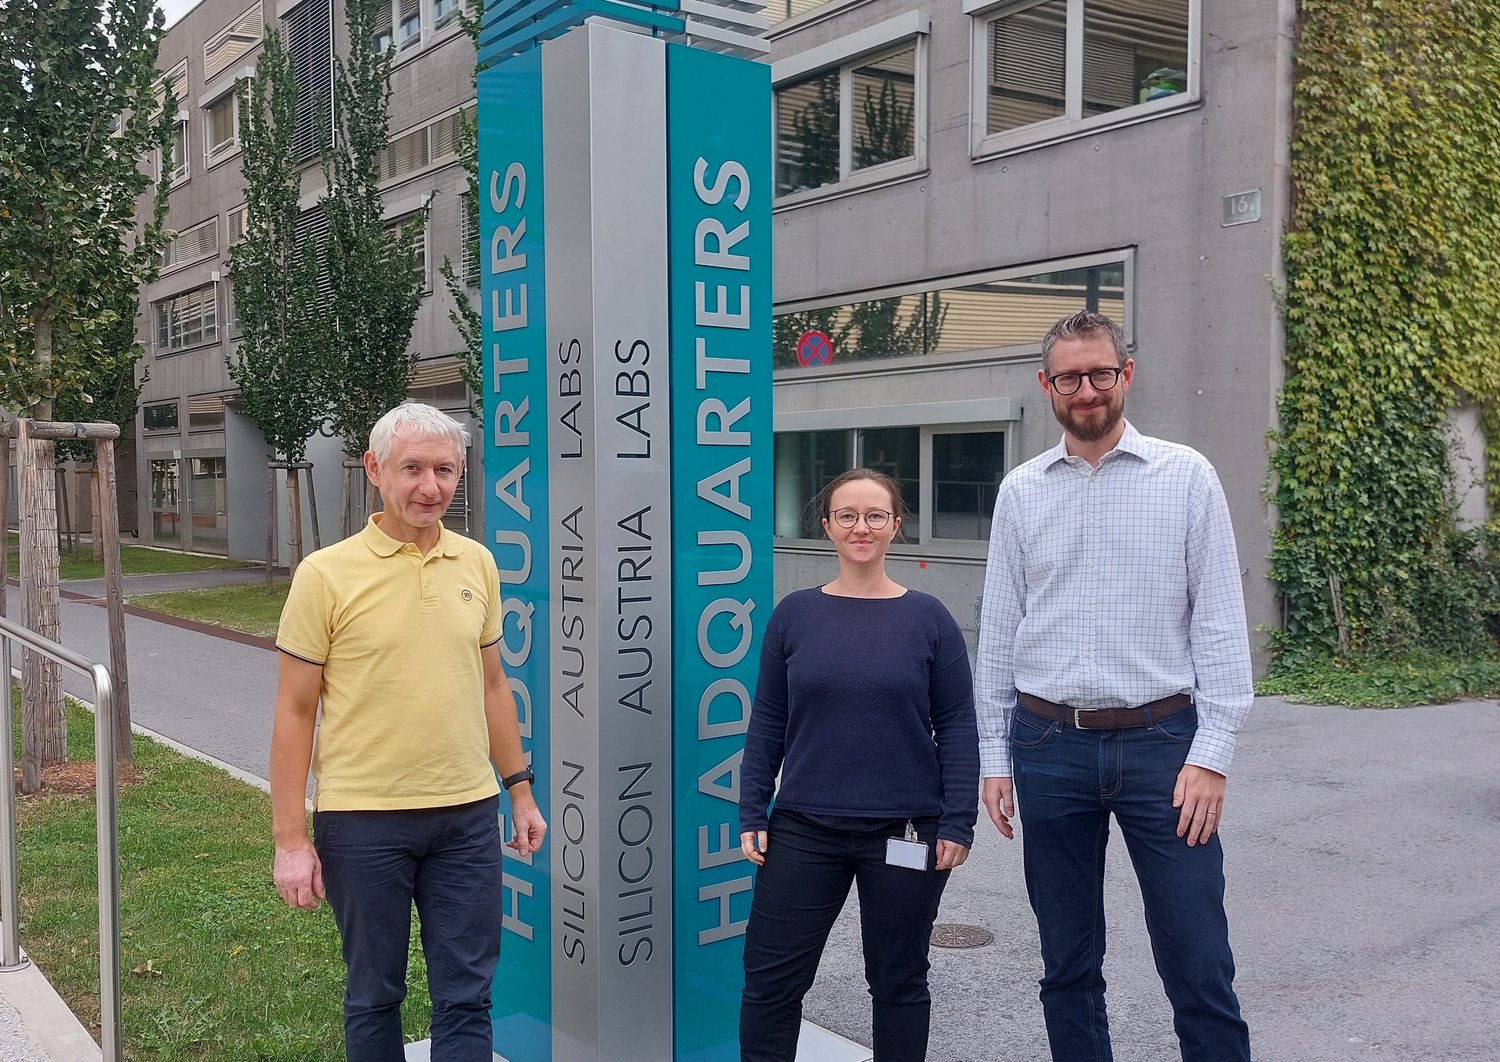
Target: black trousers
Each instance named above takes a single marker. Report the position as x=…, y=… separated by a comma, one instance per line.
x=799, y=893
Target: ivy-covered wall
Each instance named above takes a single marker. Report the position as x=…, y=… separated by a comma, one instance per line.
x=1392, y=308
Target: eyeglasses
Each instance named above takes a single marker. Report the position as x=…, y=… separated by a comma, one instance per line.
x=875, y=519
x=1067, y=383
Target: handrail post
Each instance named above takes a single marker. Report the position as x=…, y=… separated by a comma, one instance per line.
x=10, y=893
x=110, y=1026
x=106, y=805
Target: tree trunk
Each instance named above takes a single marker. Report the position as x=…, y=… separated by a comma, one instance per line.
x=43, y=723
x=270, y=526
x=114, y=592
x=353, y=490
x=293, y=521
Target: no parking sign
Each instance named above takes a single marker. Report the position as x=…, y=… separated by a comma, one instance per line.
x=814, y=348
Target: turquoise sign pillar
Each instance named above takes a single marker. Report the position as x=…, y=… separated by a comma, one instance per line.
x=625, y=158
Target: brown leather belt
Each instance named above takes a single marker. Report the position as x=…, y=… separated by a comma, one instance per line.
x=1105, y=718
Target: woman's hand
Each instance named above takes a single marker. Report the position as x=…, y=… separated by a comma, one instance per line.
x=951, y=854
x=754, y=844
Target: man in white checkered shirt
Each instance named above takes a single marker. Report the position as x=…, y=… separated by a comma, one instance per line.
x=1113, y=675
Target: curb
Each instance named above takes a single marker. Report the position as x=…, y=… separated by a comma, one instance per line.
x=45, y=1018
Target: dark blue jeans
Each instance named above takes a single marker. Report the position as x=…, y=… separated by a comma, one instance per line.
x=799, y=893
x=1068, y=782
x=376, y=864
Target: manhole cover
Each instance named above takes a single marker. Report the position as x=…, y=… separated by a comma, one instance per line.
x=953, y=935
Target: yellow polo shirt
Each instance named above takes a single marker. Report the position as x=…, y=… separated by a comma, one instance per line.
x=398, y=637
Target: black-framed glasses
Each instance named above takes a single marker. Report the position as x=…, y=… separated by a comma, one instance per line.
x=875, y=519
x=1067, y=383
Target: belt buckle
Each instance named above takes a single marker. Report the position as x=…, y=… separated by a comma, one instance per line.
x=1077, y=712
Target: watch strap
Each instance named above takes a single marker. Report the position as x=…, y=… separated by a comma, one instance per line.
x=523, y=775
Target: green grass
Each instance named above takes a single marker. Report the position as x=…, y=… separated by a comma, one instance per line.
x=134, y=560
x=1396, y=682
x=248, y=607
x=214, y=965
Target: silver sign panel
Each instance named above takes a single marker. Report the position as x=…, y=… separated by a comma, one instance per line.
x=604, y=141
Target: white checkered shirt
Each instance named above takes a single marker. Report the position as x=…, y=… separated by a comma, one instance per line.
x=1112, y=586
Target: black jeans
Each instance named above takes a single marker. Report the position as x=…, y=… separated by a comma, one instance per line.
x=799, y=893
x=447, y=861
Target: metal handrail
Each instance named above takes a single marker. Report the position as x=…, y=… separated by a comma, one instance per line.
x=107, y=834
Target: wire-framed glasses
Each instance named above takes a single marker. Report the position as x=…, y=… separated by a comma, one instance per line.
x=875, y=519
x=1067, y=383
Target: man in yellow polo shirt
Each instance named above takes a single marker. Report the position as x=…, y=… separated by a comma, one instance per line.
x=396, y=630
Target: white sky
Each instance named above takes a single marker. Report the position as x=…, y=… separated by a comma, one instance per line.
x=175, y=9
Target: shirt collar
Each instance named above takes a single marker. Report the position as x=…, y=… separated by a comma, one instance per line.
x=1131, y=442
x=383, y=545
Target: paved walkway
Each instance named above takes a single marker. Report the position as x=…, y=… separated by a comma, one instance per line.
x=1363, y=852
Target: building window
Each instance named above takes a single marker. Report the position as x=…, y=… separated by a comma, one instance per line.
x=234, y=41
x=206, y=413
x=778, y=11
x=188, y=319
x=221, y=133
x=412, y=227
x=850, y=120
x=408, y=22
x=309, y=45
x=970, y=315
x=191, y=245
x=434, y=143
x=948, y=476
x=470, y=264
x=159, y=416
x=236, y=219
x=174, y=167
x=443, y=11
x=1053, y=68
x=807, y=461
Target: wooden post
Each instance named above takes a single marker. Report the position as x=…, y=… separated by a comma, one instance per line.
x=270, y=524
x=97, y=500
x=114, y=593
x=64, y=511
x=348, y=519
x=312, y=507
x=293, y=520
x=43, y=724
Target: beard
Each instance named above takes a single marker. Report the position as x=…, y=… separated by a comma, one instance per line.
x=1094, y=424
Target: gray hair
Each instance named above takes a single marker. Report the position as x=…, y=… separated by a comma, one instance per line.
x=1085, y=324
x=415, y=420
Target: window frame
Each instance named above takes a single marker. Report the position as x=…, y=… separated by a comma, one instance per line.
x=213, y=154
x=1072, y=122
x=165, y=267
x=845, y=54
x=793, y=375
x=964, y=416
x=161, y=341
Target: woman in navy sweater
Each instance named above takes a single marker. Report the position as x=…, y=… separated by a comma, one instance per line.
x=865, y=706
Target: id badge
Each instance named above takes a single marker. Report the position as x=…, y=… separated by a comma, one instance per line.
x=906, y=851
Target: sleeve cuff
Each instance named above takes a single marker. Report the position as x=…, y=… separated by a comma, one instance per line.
x=994, y=759
x=1212, y=750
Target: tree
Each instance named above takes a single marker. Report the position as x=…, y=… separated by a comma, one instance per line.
x=77, y=116
x=375, y=284
x=281, y=362
x=465, y=315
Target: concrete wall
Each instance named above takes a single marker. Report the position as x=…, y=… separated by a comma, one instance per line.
x=1208, y=342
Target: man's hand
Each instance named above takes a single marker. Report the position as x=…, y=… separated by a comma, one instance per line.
x=999, y=798
x=1200, y=794
x=299, y=876
x=530, y=827
x=950, y=854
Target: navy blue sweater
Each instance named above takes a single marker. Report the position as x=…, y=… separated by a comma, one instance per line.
x=866, y=706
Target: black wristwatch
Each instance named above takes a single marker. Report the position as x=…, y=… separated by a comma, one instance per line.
x=523, y=775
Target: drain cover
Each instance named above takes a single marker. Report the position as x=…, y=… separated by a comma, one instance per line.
x=953, y=935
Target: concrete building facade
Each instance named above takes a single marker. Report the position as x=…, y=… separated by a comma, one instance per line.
x=951, y=178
